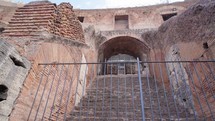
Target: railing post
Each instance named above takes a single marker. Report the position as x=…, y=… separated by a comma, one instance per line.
x=141, y=91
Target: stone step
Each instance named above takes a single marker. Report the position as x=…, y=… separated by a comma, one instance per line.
x=20, y=27
x=34, y=13
x=28, y=24
x=129, y=96
x=97, y=118
x=107, y=114
x=35, y=9
x=21, y=31
x=19, y=34
x=130, y=108
x=39, y=5
x=131, y=114
x=116, y=90
x=130, y=104
x=33, y=16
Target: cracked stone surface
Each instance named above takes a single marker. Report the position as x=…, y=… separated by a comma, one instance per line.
x=13, y=71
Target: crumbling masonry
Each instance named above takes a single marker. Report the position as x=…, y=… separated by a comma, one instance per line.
x=60, y=63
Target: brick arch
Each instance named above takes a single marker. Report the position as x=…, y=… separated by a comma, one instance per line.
x=123, y=45
x=137, y=34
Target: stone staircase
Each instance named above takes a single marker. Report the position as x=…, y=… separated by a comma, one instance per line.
x=27, y=20
x=118, y=99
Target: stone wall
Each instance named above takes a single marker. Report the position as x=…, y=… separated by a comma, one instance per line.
x=47, y=52
x=60, y=40
x=36, y=17
x=188, y=32
x=138, y=17
x=66, y=24
x=13, y=71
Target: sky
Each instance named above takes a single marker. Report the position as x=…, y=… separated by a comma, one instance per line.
x=95, y=4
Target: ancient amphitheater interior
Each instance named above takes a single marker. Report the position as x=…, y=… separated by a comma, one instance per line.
x=149, y=63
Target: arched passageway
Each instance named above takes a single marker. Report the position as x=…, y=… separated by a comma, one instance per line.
x=119, y=49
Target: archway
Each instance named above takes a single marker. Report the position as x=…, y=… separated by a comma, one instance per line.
x=122, y=48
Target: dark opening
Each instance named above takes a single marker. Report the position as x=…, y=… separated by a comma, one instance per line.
x=3, y=92
x=17, y=62
x=121, y=22
x=168, y=16
x=205, y=45
x=184, y=100
x=81, y=19
x=1, y=29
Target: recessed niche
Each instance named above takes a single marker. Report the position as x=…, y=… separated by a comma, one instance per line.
x=205, y=45
x=121, y=22
x=168, y=16
x=3, y=92
x=81, y=19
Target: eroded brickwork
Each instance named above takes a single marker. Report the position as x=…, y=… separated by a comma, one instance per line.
x=36, y=17
x=66, y=24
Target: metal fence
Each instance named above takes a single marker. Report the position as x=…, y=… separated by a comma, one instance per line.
x=169, y=90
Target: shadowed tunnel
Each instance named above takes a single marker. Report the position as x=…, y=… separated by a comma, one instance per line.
x=123, y=45
x=123, y=48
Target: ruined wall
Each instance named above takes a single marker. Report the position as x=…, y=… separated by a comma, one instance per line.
x=184, y=37
x=138, y=17
x=48, y=52
x=46, y=33
x=13, y=71
x=66, y=24
x=34, y=18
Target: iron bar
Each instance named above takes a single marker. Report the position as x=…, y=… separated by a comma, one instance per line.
x=64, y=83
x=95, y=104
x=187, y=88
x=111, y=86
x=69, y=93
x=47, y=100
x=132, y=93
x=118, y=92
x=211, y=70
x=76, y=89
x=36, y=93
x=103, y=92
x=203, y=92
x=83, y=89
x=58, y=83
x=125, y=62
x=90, y=86
x=180, y=91
x=43, y=93
x=198, y=97
x=150, y=98
x=206, y=77
x=156, y=89
x=126, y=108
x=141, y=93
x=123, y=89
x=165, y=96
x=172, y=91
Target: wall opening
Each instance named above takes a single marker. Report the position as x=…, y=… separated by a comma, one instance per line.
x=120, y=49
x=3, y=92
x=81, y=19
x=205, y=45
x=121, y=68
x=121, y=22
x=17, y=62
x=168, y=16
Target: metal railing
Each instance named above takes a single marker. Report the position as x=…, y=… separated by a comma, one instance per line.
x=169, y=90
